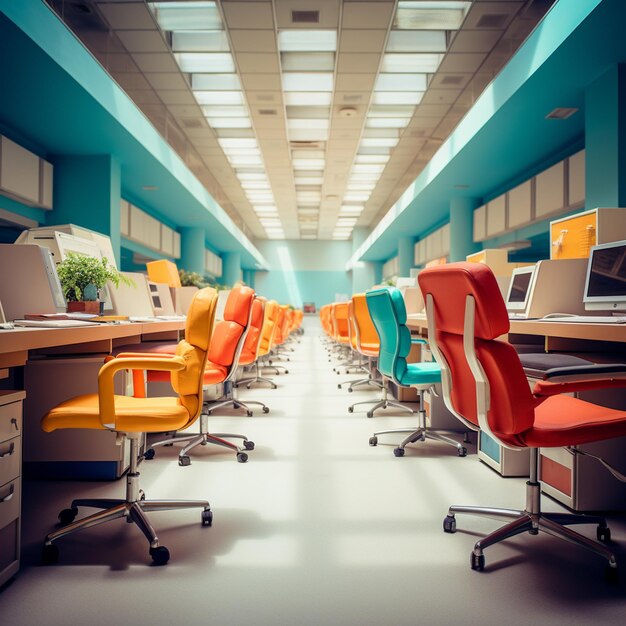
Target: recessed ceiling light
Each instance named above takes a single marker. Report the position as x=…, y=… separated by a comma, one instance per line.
x=149, y=187
x=561, y=113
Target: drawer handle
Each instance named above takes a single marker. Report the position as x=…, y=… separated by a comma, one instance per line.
x=10, y=451
x=14, y=422
x=9, y=496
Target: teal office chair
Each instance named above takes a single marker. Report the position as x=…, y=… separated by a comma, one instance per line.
x=387, y=310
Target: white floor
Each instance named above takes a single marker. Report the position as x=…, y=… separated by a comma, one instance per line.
x=317, y=528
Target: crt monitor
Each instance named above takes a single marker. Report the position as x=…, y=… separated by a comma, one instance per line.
x=520, y=288
x=605, y=287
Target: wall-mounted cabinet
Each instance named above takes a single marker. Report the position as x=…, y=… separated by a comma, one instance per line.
x=138, y=226
x=390, y=268
x=213, y=264
x=558, y=189
x=434, y=246
x=24, y=176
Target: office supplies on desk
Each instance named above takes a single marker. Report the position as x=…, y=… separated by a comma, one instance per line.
x=546, y=287
x=31, y=283
x=54, y=323
x=585, y=319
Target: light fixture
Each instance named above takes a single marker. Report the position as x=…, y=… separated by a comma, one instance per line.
x=302, y=40
x=198, y=62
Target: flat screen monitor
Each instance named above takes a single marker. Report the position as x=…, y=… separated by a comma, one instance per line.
x=605, y=286
x=519, y=288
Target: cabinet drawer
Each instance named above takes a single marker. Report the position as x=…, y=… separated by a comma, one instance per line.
x=10, y=459
x=9, y=501
x=10, y=420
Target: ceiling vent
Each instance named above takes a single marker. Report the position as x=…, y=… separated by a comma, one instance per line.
x=268, y=112
x=561, y=113
x=305, y=17
x=352, y=98
x=306, y=145
x=191, y=122
x=449, y=79
x=265, y=97
x=493, y=20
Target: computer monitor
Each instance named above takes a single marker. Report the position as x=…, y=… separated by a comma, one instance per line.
x=132, y=300
x=161, y=299
x=605, y=286
x=520, y=288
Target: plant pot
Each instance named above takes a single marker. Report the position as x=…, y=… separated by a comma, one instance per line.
x=84, y=306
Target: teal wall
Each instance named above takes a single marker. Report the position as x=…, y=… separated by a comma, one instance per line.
x=304, y=271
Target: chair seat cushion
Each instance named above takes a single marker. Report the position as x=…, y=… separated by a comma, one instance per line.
x=567, y=421
x=369, y=349
x=421, y=374
x=214, y=373
x=133, y=414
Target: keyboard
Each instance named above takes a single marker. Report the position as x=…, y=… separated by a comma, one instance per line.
x=588, y=319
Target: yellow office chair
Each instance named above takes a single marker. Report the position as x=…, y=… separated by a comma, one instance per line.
x=132, y=416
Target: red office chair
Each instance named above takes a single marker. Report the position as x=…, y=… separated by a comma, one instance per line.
x=485, y=386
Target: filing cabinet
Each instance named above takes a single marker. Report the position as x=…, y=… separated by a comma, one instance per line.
x=10, y=481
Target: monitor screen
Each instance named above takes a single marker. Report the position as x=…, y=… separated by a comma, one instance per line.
x=605, y=288
x=519, y=288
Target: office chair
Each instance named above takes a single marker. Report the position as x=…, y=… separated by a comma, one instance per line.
x=365, y=341
x=265, y=343
x=485, y=386
x=225, y=346
x=386, y=307
x=278, y=338
x=130, y=417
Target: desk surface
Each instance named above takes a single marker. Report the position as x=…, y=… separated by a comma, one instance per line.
x=568, y=330
x=16, y=343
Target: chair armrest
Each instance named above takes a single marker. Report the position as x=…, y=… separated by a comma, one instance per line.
x=106, y=391
x=581, y=378
x=415, y=340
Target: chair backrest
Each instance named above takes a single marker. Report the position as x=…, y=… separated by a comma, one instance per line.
x=194, y=349
x=253, y=337
x=352, y=333
x=366, y=334
x=386, y=308
x=340, y=314
x=230, y=333
x=464, y=304
x=269, y=325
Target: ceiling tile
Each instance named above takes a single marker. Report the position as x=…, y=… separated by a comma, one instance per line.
x=367, y=14
x=253, y=40
x=156, y=62
x=167, y=81
x=127, y=16
x=491, y=15
x=142, y=40
x=440, y=96
x=177, y=97
x=355, y=82
x=248, y=15
x=449, y=81
x=358, y=63
x=257, y=81
x=122, y=63
x=328, y=13
x=475, y=40
x=263, y=62
x=362, y=41
x=143, y=96
x=468, y=62
x=132, y=80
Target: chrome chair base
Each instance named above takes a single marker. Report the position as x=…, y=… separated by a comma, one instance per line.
x=133, y=508
x=532, y=520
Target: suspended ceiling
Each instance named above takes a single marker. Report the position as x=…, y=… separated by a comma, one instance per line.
x=326, y=117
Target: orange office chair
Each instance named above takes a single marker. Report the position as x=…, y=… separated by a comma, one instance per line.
x=364, y=340
x=485, y=386
x=341, y=334
x=224, y=348
x=130, y=417
x=269, y=322
x=278, y=338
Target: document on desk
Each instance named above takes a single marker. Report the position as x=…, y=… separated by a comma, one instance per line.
x=54, y=323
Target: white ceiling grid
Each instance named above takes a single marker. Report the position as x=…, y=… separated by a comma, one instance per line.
x=304, y=118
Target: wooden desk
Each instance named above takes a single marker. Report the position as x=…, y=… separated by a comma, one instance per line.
x=16, y=344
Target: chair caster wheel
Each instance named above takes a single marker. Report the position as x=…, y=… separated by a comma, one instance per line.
x=249, y=386
x=373, y=441
x=349, y=389
x=184, y=461
x=49, y=554
x=249, y=413
x=142, y=495
x=398, y=452
x=370, y=414
x=338, y=385
x=209, y=412
x=242, y=457
x=160, y=555
x=67, y=516
x=611, y=574
x=350, y=409
x=462, y=451
x=266, y=409
x=248, y=445
x=603, y=535
x=286, y=371
x=149, y=454
x=449, y=524
x=477, y=562
x=207, y=517
x=274, y=387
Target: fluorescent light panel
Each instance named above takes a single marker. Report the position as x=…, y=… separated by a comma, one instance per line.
x=430, y=15
x=187, y=15
x=307, y=61
x=425, y=41
x=390, y=122
x=230, y=122
x=401, y=82
x=215, y=82
x=214, y=98
x=398, y=97
x=411, y=63
x=304, y=82
x=310, y=98
x=200, y=41
x=302, y=40
x=200, y=62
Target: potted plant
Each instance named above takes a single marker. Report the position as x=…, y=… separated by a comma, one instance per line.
x=82, y=277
